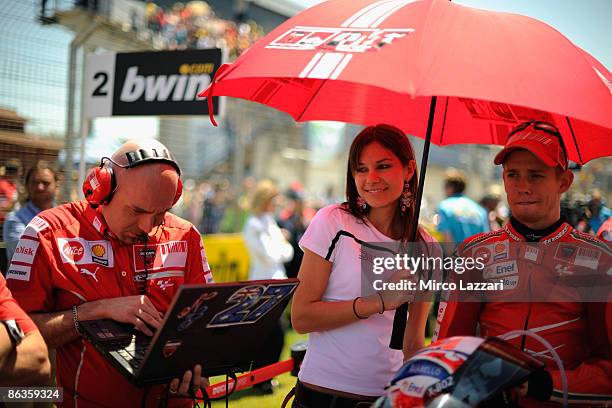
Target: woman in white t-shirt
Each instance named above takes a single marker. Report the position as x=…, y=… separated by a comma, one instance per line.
x=268, y=250
x=348, y=359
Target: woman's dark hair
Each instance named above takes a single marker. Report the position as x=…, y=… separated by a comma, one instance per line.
x=396, y=141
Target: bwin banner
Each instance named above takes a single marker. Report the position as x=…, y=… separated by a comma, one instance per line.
x=149, y=83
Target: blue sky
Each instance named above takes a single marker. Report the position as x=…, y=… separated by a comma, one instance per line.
x=588, y=23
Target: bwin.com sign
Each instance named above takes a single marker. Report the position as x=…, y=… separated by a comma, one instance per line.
x=150, y=83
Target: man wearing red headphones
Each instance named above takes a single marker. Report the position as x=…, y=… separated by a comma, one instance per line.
x=118, y=255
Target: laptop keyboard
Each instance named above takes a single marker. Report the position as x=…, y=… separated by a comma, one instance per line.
x=134, y=353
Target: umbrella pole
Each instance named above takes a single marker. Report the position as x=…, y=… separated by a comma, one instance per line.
x=399, y=320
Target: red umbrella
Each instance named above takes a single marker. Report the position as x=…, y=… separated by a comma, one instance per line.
x=369, y=62
x=433, y=68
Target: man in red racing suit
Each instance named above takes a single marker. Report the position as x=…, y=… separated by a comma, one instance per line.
x=75, y=262
x=535, y=176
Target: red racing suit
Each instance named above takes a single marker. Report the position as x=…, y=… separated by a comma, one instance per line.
x=10, y=310
x=580, y=332
x=67, y=256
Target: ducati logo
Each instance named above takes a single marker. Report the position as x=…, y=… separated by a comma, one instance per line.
x=359, y=33
x=171, y=347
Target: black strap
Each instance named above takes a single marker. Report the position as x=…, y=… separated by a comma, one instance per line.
x=401, y=313
x=288, y=397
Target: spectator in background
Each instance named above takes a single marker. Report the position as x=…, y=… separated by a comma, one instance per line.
x=214, y=208
x=460, y=216
x=268, y=247
x=598, y=213
x=8, y=198
x=236, y=213
x=268, y=250
x=237, y=210
x=41, y=186
x=294, y=223
x=496, y=213
x=574, y=208
x=8, y=187
x=194, y=25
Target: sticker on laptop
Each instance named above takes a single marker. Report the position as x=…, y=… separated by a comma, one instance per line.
x=190, y=314
x=250, y=303
x=170, y=347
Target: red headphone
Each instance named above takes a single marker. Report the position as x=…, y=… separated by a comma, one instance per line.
x=101, y=183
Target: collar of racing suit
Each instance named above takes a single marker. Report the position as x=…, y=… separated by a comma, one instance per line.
x=532, y=235
x=95, y=217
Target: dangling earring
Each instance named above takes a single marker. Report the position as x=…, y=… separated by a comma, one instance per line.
x=405, y=198
x=361, y=203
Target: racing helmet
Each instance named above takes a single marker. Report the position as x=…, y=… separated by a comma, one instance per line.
x=460, y=371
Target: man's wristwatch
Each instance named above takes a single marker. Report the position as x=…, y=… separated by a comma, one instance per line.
x=14, y=331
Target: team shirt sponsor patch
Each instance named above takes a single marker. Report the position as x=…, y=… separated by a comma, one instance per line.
x=99, y=253
x=78, y=251
x=165, y=284
x=500, y=250
x=35, y=226
x=510, y=282
x=531, y=253
x=25, y=251
x=491, y=253
x=171, y=254
x=483, y=252
x=587, y=257
x=565, y=253
x=501, y=269
x=97, y=224
x=19, y=272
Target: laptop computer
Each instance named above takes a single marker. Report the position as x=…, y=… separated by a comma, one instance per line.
x=220, y=326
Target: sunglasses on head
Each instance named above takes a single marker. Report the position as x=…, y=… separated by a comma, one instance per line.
x=543, y=126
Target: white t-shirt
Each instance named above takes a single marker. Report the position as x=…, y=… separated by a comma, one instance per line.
x=355, y=358
x=268, y=248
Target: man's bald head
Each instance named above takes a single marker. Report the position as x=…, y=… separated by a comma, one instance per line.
x=145, y=191
x=161, y=177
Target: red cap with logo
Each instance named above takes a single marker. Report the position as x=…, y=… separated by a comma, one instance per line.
x=543, y=142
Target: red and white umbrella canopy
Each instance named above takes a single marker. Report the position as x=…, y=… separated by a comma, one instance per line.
x=369, y=62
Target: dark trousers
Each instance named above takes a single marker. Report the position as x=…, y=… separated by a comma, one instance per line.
x=308, y=398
